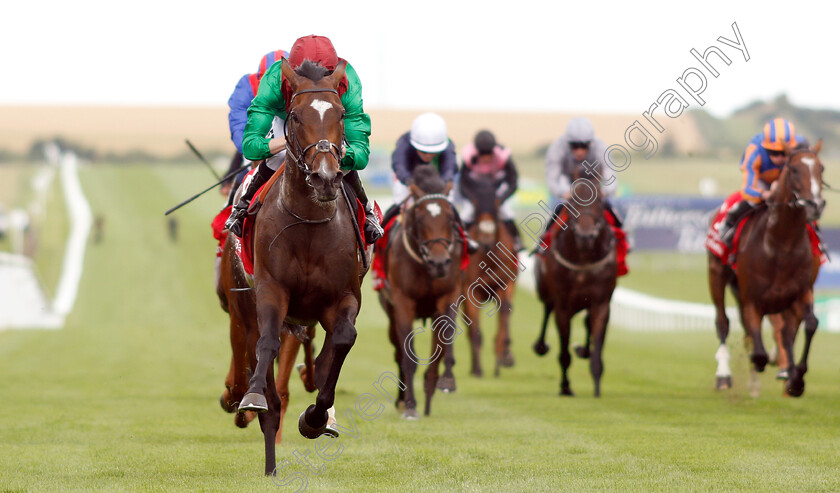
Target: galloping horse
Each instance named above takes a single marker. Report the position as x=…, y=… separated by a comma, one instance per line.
x=579, y=272
x=489, y=232
x=237, y=299
x=423, y=264
x=776, y=268
x=307, y=268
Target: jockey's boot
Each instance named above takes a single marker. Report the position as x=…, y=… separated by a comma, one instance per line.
x=538, y=248
x=619, y=221
x=514, y=231
x=733, y=217
x=240, y=210
x=372, y=229
x=472, y=245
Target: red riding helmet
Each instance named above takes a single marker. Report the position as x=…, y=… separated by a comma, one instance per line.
x=315, y=48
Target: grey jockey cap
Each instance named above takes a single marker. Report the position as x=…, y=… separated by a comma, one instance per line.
x=579, y=129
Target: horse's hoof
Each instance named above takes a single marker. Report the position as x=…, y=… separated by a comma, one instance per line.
x=723, y=383
x=567, y=392
x=241, y=420
x=477, y=372
x=506, y=360
x=760, y=362
x=581, y=351
x=795, y=389
x=253, y=402
x=410, y=415
x=541, y=348
x=312, y=432
x=782, y=374
x=400, y=405
x=446, y=384
x=227, y=406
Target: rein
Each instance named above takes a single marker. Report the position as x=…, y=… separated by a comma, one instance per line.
x=585, y=267
x=300, y=220
x=298, y=154
x=796, y=202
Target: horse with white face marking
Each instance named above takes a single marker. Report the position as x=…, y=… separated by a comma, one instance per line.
x=775, y=269
x=423, y=264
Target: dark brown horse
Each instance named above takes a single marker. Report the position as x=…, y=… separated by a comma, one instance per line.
x=423, y=258
x=577, y=273
x=307, y=268
x=237, y=298
x=776, y=268
x=496, y=273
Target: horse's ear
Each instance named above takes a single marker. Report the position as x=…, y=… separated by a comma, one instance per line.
x=288, y=72
x=415, y=191
x=338, y=74
x=818, y=147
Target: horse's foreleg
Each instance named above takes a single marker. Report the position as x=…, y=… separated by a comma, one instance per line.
x=795, y=385
x=540, y=347
x=342, y=330
x=445, y=335
x=403, y=318
x=599, y=317
x=718, y=279
x=504, y=358
x=431, y=374
x=564, y=327
x=289, y=347
x=751, y=319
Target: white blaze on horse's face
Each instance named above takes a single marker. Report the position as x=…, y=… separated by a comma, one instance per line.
x=815, y=187
x=321, y=107
x=434, y=209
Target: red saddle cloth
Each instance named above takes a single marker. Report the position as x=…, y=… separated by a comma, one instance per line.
x=245, y=244
x=622, y=246
x=716, y=245
x=380, y=277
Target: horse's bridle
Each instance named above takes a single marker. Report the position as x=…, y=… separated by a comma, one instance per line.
x=424, y=245
x=797, y=201
x=611, y=253
x=323, y=145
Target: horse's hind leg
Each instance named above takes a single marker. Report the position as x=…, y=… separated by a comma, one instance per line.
x=307, y=371
x=540, y=347
x=564, y=327
x=504, y=358
x=270, y=425
x=752, y=323
x=446, y=383
x=719, y=277
x=778, y=355
x=398, y=356
x=431, y=374
x=599, y=317
x=585, y=350
x=472, y=314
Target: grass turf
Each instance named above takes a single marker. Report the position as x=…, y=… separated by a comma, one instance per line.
x=125, y=397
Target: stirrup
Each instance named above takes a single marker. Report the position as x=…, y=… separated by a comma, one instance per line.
x=472, y=245
x=373, y=230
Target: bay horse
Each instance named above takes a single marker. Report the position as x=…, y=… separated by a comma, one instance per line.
x=307, y=266
x=236, y=296
x=775, y=269
x=423, y=265
x=488, y=230
x=578, y=272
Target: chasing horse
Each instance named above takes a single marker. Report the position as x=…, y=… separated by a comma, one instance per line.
x=577, y=269
x=772, y=259
x=493, y=268
x=422, y=259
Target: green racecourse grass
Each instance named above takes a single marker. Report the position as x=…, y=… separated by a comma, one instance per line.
x=125, y=397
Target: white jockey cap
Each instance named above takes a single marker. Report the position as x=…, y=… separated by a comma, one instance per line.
x=579, y=129
x=428, y=133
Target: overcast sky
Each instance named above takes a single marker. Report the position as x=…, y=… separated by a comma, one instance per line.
x=429, y=54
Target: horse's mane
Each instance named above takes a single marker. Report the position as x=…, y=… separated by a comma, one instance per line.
x=312, y=70
x=427, y=179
